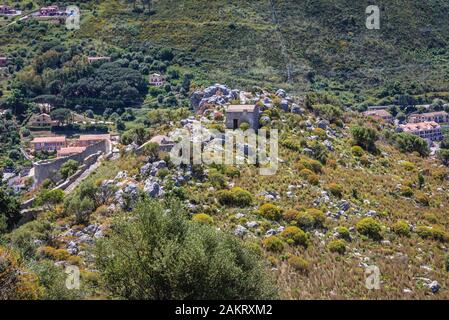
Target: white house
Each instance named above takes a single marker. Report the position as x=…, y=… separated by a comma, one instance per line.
x=156, y=79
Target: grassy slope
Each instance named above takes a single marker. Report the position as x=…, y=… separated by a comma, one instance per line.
x=253, y=42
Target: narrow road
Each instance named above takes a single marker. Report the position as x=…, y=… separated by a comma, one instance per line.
x=20, y=17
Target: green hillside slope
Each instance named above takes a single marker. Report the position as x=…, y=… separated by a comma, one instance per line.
x=301, y=44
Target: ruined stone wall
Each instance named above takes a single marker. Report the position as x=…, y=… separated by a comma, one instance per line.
x=49, y=168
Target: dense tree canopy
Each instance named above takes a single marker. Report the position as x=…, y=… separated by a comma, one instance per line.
x=160, y=254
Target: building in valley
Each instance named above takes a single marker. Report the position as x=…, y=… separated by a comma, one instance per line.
x=51, y=11
x=427, y=130
x=438, y=117
x=380, y=114
x=238, y=114
x=90, y=139
x=69, y=151
x=3, y=62
x=95, y=59
x=49, y=143
x=42, y=120
x=156, y=79
x=7, y=10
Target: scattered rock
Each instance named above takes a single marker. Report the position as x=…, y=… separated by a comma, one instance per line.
x=240, y=231
x=344, y=205
x=152, y=189
x=252, y=224
x=281, y=93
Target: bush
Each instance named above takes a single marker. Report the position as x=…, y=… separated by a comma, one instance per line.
x=423, y=199
x=409, y=166
x=203, y=218
x=364, y=137
x=335, y=189
x=68, y=168
x=244, y=126
x=217, y=179
x=337, y=246
x=401, y=228
x=432, y=232
x=319, y=218
x=370, y=228
x=295, y=236
x=49, y=197
x=406, y=191
x=299, y=264
x=305, y=221
x=16, y=282
x=312, y=165
x=270, y=211
x=273, y=244
x=357, y=151
x=163, y=256
x=407, y=142
x=308, y=175
x=343, y=233
x=237, y=197
x=290, y=215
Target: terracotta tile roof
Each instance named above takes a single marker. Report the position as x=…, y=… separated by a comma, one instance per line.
x=420, y=126
x=241, y=108
x=70, y=150
x=429, y=114
x=48, y=139
x=88, y=137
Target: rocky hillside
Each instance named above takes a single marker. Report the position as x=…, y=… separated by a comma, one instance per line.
x=341, y=202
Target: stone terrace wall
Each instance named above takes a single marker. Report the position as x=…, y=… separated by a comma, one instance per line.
x=49, y=168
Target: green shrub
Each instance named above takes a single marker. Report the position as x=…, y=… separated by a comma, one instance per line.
x=308, y=175
x=409, y=166
x=244, y=126
x=312, y=165
x=319, y=218
x=290, y=215
x=305, y=221
x=217, y=179
x=343, y=233
x=49, y=197
x=68, y=168
x=338, y=246
x=299, y=264
x=203, y=218
x=422, y=199
x=370, y=228
x=270, y=211
x=295, y=236
x=273, y=244
x=177, y=259
x=335, y=189
x=406, y=191
x=357, y=151
x=401, y=228
x=364, y=137
x=432, y=232
x=236, y=197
